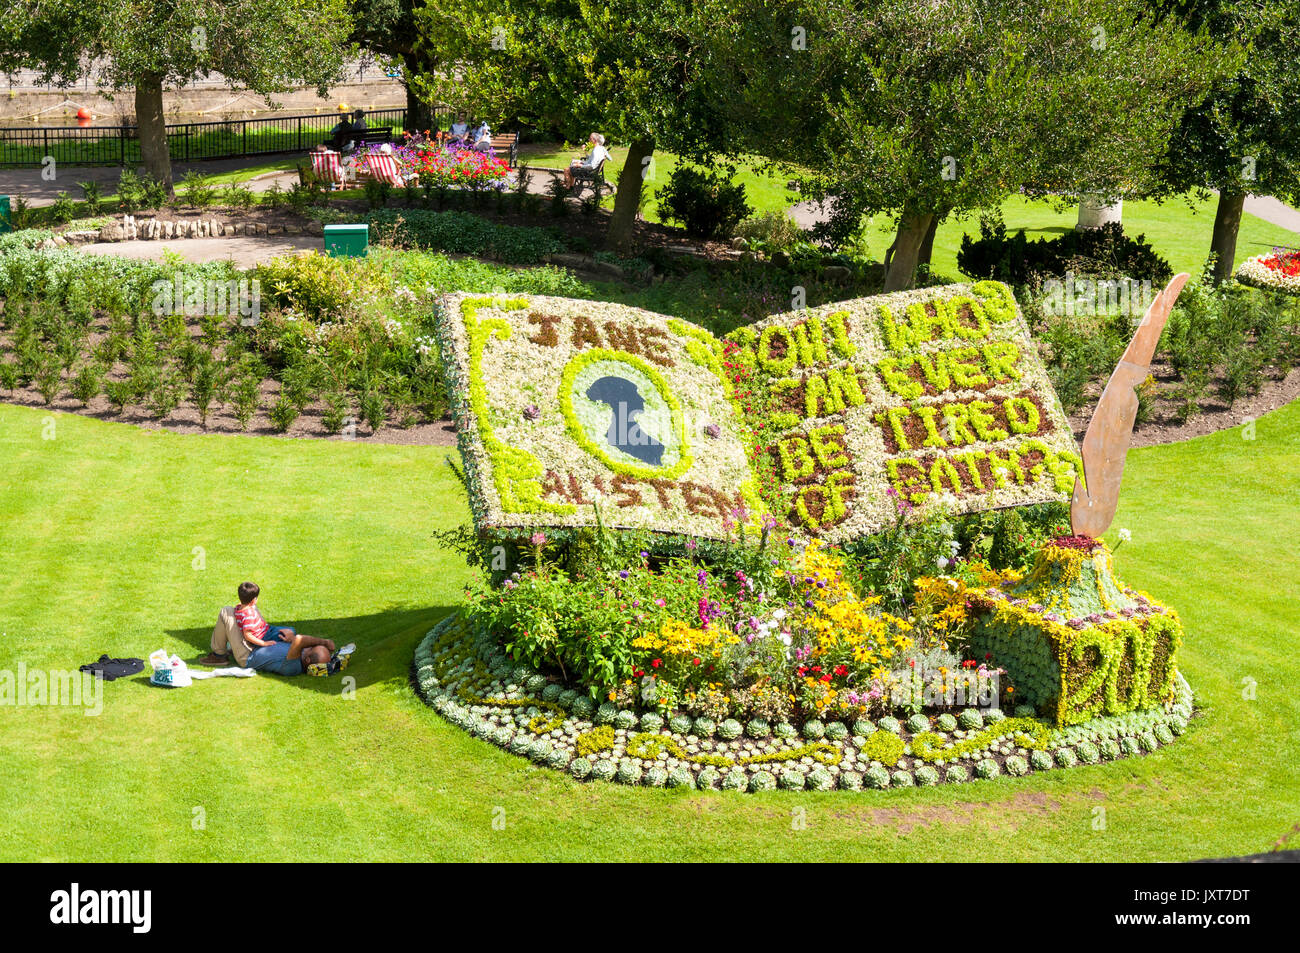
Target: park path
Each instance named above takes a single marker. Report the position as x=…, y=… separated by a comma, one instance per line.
x=37, y=191
x=1271, y=210
x=244, y=251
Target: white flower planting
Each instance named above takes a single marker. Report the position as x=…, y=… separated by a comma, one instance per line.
x=1277, y=270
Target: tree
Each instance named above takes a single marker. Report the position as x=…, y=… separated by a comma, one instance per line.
x=621, y=67
x=266, y=46
x=1244, y=136
x=388, y=28
x=922, y=109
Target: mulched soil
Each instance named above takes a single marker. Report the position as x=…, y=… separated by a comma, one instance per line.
x=1167, y=426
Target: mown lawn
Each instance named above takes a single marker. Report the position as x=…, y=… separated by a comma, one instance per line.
x=122, y=541
x=1178, y=229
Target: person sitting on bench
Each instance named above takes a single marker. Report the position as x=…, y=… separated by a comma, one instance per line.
x=459, y=128
x=586, y=167
x=340, y=135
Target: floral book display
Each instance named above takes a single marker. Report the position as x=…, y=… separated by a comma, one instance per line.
x=674, y=533
x=572, y=406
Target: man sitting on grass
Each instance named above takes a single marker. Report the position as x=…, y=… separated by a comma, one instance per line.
x=274, y=648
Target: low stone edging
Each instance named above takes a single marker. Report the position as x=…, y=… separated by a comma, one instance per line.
x=160, y=229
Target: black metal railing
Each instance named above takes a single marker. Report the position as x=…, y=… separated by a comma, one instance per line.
x=188, y=141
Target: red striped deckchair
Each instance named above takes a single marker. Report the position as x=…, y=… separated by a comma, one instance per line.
x=383, y=166
x=325, y=163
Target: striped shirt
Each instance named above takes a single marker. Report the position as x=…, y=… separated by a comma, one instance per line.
x=251, y=621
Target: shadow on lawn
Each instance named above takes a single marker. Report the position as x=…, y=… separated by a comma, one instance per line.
x=385, y=642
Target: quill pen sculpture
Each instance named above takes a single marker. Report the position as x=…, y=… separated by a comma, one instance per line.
x=1110, y=431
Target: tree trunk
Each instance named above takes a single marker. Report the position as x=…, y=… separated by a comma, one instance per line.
x=927, y=244
x=418, y=114
x=152, y=127
x=1227, y=221
x=912, y=228
x=628, y=200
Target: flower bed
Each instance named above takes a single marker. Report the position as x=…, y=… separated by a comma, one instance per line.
x=443, y=166
x=658, y=517
x=1278, y=270
x=854, y=406
x=631, y=421
x=825, y=418
x=464, y=674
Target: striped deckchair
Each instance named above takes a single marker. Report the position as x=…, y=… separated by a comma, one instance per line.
x=325, y=164
x=383, y=166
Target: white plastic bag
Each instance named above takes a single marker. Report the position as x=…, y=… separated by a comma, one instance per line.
x=169, y=672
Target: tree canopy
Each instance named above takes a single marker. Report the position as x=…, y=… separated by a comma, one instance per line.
x=623, y=68
x=266, y=46
x=1244, y=135
x=922, y=109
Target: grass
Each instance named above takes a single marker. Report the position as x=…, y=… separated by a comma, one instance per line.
x=1178, y=229
x=129, y=540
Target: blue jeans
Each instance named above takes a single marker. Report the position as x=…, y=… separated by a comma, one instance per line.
x=274, y=658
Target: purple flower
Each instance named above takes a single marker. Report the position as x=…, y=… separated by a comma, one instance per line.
x=531, y=412
x=713, y=430
x=622, y=574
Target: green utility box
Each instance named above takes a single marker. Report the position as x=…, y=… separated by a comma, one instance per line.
x=343, y=241
x=6, y=224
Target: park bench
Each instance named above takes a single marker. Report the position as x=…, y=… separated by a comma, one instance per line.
x=506, y=145
x=363, y=138
x=593, y=179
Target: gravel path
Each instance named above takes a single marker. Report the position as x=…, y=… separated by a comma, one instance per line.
x=244, y=250
x=29, y=184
